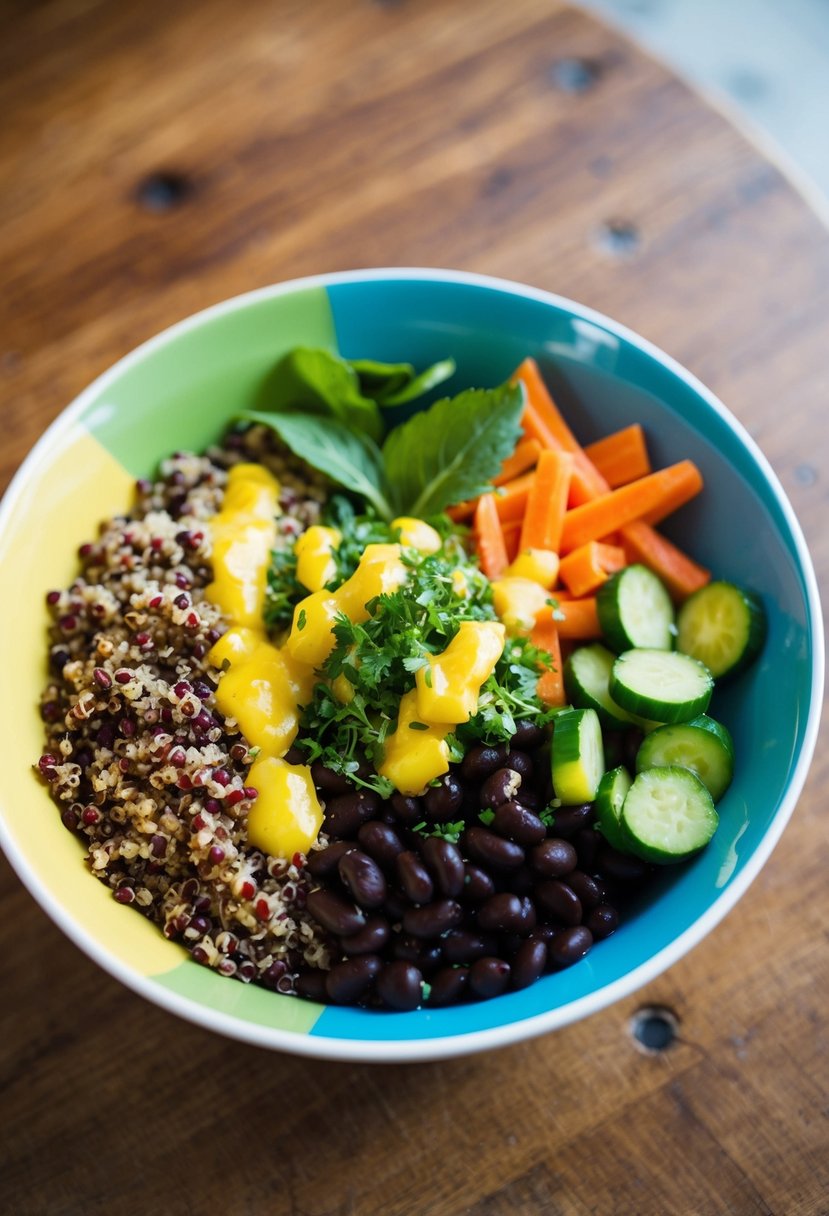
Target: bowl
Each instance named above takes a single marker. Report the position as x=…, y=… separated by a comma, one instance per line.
x=178, y=390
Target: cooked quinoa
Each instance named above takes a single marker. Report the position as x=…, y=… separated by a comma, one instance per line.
x=145, y=768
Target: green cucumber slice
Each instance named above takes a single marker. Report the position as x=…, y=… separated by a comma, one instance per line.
x=578, y=755
x=668, y=815
x=701, y=745
x=635, y=609
x=662, y=685
x=610, y=797
x=723, y=626
x=586, y=679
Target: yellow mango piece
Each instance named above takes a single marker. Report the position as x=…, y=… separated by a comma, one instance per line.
x=538, y=565
x=286, y=817
x=311, y=640
x=244, y=532
x=417, y=534
x=343, y=689
x=414, y=757
x=258, y=694
x=518, y=601
x=448, y=688
x=314, y=550
x=235, y=646
x=301, y=676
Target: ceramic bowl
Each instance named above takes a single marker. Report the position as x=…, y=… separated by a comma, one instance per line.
x=179, y=389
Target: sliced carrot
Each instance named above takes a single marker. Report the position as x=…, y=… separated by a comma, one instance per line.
x=542, y=404
x=536, y=428
x=680, y=574
x=587, y=567
x=512, y=536
x=621, y=457
x=551, y=681
x=511, y=502
x=524, y=457
x=650, y=498
x=489, y=538
x=572, y=618
x=547, y=502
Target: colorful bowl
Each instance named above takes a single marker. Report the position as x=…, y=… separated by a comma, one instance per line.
x=179, y=389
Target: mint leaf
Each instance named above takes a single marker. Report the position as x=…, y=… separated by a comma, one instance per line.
x=351, y=459
x=451, y=451
x=427, y=380
x=379, y=380
x=324, y=382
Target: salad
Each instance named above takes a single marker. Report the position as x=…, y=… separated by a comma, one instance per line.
x=393, y=714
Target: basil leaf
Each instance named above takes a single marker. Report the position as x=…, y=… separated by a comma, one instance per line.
x=348, y=457
x=378, y=380
x=429, y=379
x=318, y=379
x=452, y=451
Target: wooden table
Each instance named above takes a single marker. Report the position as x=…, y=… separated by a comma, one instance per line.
x=159, y=157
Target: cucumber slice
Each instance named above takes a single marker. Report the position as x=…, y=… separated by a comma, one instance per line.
x=635, y=609
x=701, y=745
x=668, y=815
x=578, y=755
x=610, y=797
x=662, y=685
x=723, y=626
x=586, y=678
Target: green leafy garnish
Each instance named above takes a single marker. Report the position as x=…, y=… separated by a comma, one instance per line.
x=452, y=451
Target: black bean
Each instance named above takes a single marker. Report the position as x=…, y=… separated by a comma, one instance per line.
x=520, y=881
x=602, y=921
x=591, y=892
x=499, y=787
x=295, y=755
x=414, y=878
x=325, y=861
x=588, y=842
x=370, y=939
x=343, y=815
x=621, y=866
x=477, y=884
x=569, y=820
x=395, y=905
x=529, y=798
x=364, y=879
x=501, y=914
x=480, y=761
x=508, y=945
x=328, y=781
x=527, y=736
x=529, y=916
x=569, y=945
x=489, y=977
x=380, y=842
x=543, y=773
x=517, y=823
x=432, y=919
x=405, y=808
x=350, y=980
x=560, y=901
x=442, y=802
x=631, y=745
x=462, y=946
x=553, y=858
x=445, y=865
x=311, y=985
x=491, y=850
x=529, y=963
x=448, y=986
x=335, y=914
x=522, y=764
x=400, y=986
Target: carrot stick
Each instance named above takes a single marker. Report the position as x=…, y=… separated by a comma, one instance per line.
x=551, y=681
x=524, y=457
x=621, y=457
x=542, y=404
x=489, y=538
x=547, y=502
x=650, y=498
x=587, y=567
x=510, y=501
x=680, y=574
x=512, y=536
x=572, y=618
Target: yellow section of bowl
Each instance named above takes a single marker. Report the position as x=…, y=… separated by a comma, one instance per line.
x=74, y=484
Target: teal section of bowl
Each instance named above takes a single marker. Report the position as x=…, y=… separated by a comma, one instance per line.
x=605, y=379
x=181, y=389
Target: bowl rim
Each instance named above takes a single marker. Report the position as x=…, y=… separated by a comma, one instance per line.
x=410, y=1050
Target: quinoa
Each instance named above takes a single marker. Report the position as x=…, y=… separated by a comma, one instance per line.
x=142, y=764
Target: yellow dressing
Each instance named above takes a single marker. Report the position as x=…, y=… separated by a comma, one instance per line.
x=287, y=816
x=244, y=532
x=518, y=601
x=414, y=757
x=417, y=534
x=538, y=565
x=314, y=550
x=258, y=694
x=448, y=687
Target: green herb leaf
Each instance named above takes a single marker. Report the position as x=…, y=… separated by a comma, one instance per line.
x=424, y=383
x=352, y=460
x=451, y=451
x=486, y=817
x=319, y=380
x=378, y=380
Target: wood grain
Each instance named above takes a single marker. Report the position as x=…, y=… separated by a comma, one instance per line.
x=518, y=139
